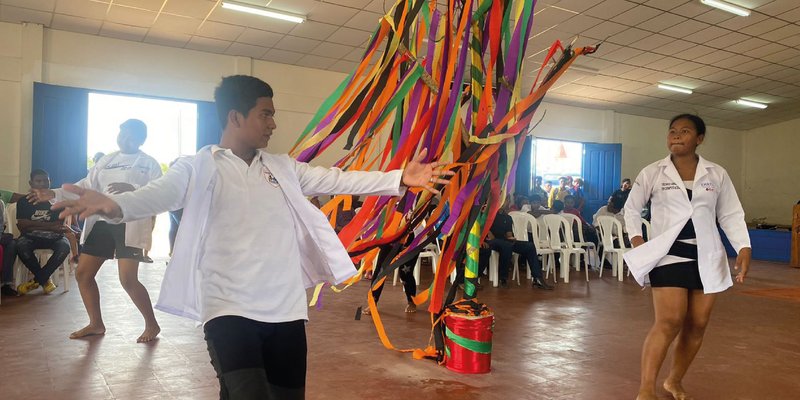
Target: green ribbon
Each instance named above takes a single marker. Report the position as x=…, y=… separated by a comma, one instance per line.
x=469, y=344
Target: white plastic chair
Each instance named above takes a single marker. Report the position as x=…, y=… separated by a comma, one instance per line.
x=557, y=226
x=647, y=228
x=541, y=241
x=591, y=249
x=610, y=229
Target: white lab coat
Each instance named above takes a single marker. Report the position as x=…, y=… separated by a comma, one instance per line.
x=713, y=200
x=189, y=184
x=138, y=233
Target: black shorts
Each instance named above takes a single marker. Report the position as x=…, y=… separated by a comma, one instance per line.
x=108, y=241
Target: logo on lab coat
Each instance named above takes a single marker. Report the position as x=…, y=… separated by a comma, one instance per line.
x=270, y=178
x=708, y=186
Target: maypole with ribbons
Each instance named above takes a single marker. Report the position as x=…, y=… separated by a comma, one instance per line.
x=450, y=81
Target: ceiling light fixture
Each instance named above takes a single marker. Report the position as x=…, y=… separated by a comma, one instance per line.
x=674, y=88
x=750, y=103
x=725, y=6
x=264, y=12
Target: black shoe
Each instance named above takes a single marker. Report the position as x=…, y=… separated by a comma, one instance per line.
x=504, y=284
x=540, y=284
x=8, y=290
x=147, y=260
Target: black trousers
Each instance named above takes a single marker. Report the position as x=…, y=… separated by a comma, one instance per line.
x=27, y=244
x=406, y=274
x=257, y=360
x=9, y=255
x=506, y=248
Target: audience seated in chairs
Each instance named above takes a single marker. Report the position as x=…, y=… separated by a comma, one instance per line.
x=40, y=228
x=501, y=239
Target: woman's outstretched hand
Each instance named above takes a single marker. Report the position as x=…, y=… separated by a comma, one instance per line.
x=417, y=174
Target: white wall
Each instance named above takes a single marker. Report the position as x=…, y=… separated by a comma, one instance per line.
x=771, y=170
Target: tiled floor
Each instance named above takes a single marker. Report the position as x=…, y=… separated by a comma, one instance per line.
x=580, y=341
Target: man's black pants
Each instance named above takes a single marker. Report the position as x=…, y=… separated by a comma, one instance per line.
x=257, y=360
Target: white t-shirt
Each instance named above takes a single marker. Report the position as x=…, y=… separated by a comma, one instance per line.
x=603, y=212
x=251, y=261
x=118, y=169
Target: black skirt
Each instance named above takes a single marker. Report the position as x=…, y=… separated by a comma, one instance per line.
x=682, y=275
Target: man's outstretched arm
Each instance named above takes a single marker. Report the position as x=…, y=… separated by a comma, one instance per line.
x=164, y=194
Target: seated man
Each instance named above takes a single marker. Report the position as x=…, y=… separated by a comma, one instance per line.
x=40, y=228
x=614, y=208
x=501, y=239
x=537, y=206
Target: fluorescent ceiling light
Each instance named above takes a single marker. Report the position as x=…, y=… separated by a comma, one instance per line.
x=674, y=88
x=585, y=70
x=749, y=103
x=725, y=6
x=264, y=12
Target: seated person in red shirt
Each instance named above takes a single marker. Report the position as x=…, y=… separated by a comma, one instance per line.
x=40, y=228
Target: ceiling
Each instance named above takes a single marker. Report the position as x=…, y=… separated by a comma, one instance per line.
x=722, y=57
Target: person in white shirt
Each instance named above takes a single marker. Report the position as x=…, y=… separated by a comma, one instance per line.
x=122, y=171
x=614, y=208
x=249, y=240
x=684, y=261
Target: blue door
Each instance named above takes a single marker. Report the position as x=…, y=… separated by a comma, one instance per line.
x=60, y=122
x=602, y=173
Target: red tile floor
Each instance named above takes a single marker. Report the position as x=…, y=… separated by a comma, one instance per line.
x=580, y=341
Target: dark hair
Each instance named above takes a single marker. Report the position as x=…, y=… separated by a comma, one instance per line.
x=558, y=206
x=569, y=197
x=535, y=198
x=618, y=199
x=626, y=180
x=39, y=172
x=239, y=93
x=137, y=128
x=699, y=124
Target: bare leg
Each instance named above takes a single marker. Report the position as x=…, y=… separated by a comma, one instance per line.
x=87, y=270
x=670, y=306
x=689, y=340
x=129, y=278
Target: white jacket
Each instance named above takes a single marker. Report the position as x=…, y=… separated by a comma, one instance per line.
x=189, y=184
x=138, y=233
x=713, y=200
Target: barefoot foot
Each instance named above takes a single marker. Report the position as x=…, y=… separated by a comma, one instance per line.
x=676, y=390
x=411, y=308
x=88, y=330
x=366, y=311
x=150, y=333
